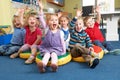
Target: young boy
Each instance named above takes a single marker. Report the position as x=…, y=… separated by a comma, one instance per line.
x=17, y=38
x=92, y=29
x=80, y=43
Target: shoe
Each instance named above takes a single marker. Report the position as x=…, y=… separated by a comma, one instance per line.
x=106, y=51
x=41, y=67
x=94, y=63
x=14, y=55
x=115, y=52
x=30, y=60
x=1, y=54
x=54, y=67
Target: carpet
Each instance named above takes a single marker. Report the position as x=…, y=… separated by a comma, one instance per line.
x=108, y=69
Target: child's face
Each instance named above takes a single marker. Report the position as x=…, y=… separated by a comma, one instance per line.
x=90, y=23
x=53, y=22
x=17, y=22
x=32, y=21
x=79, y=25
x=64, y=22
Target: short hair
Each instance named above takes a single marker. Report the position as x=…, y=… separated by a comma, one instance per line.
x=86, y=19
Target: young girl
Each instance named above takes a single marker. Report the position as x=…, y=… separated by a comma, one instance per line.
x=64, y=22
x=53, y=44
x=32, y=38
x=17, y=38
x=80, y=43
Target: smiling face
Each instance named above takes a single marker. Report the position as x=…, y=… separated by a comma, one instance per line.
x=16, y=22
x=32, y=21
x=64, y=21
x=53, y=22
x=79, y=24
x=89, y=22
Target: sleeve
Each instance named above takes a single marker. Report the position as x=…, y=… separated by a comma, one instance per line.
x=88, y=41
x=96, y=24
x=72, y=24
x=42, y=20
x=62, y=40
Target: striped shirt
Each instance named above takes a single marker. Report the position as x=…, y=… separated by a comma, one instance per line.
x=81, y=38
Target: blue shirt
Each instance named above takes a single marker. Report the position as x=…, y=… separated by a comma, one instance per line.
x=18, y=36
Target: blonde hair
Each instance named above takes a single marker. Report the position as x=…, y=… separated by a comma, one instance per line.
x=48, y=17
x=28, y=16
x=65, y=16
x=80, y=18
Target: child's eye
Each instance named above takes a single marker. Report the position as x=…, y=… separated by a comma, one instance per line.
x=51, y=20
x=56, y=19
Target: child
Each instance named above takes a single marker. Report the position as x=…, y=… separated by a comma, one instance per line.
x=64, y=21
x=80, y=43
x=17, y=38
x=32, y=38
x=53, y=44
x=95, y=33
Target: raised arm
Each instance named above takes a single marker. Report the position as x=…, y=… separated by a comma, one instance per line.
x=78, y=14
x=41, y=15
x=98, y=14
x=59, y=14
x=20, y=13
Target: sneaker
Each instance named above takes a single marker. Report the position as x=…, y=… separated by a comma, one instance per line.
x=41, y=67
x=115, y=52
x=30, y=60
x=106, y=51
x=94, y=63
x=14, y=55
x=54, y=67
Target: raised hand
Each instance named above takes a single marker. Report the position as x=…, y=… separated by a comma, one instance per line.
x=97, y=9
x=40, y=5
x=78, y=13
x=59, y=14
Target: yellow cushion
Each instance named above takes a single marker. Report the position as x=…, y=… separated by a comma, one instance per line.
x=64, y=59
x=26, y=54
x=97, y=49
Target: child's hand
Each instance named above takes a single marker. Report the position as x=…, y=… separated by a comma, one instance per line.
x=20, y=12
x=97, y=9
x=98, y=14
x=40, y=4
x=59, y=14
x=91, y=49
x=78, y=13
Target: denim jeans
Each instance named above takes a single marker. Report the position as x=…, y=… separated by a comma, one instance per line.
x=104, y=45
x=8, y=49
